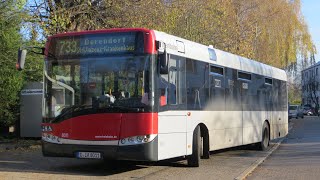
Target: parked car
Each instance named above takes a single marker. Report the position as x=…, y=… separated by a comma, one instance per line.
x=296, y=111
x=308, y=110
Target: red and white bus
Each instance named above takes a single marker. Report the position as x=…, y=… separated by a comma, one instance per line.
x=144, y=95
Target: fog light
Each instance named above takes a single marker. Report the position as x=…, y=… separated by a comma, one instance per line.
x=131, y=139
x=140, y=138
x=123, y=141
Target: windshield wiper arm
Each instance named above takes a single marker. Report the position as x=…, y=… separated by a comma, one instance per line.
x=135, y=109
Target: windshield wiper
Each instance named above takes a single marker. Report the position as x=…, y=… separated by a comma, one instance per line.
x=69, y=110
x=78, y=110
x=134, y=109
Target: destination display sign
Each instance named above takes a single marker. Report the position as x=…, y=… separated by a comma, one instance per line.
x=97, y=45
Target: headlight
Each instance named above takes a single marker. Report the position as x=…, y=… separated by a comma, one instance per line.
x=137, y=140
x=50, y=138
x=131, y=139
x=140, y=138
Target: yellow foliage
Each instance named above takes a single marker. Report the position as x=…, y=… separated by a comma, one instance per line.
x=273, y=32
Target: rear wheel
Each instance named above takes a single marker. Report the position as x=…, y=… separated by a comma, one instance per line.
x=263, y=145
x=197, y=146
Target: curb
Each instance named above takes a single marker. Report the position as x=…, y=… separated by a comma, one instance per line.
x=259, y=161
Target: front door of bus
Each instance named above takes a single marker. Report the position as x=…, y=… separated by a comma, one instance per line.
x=172, y=118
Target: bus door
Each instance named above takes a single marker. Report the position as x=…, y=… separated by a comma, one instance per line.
x=217, y=106
x=233, y=112
x=268, y=101
x=245, y=85
x=217, y=88
x=172, y=115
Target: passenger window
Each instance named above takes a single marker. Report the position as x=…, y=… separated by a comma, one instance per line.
x=268, y=81
x=216, y=70
x=245, y=76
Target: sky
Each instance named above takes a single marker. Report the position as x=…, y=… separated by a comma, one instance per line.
x=311, y=13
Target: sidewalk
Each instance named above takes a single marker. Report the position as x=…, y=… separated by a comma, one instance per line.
x=298, y=156
x=7, y=145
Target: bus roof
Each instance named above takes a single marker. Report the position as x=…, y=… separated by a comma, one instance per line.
x=198, y=51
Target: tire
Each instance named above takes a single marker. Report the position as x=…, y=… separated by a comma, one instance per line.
x=263, y=145
x=205, y=147
x=194, y=158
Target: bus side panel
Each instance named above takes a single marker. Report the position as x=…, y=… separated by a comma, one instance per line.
x=225, y=128
x=252, y=126
x=280, y=109
x=228, y=130
x=280, y=124
x=172, y=134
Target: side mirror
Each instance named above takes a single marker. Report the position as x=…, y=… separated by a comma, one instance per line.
x=21, y=59
x=163, y=61
x=160, y=47
x=163, y=57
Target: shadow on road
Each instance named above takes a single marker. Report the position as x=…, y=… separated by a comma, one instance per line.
x=34, y=162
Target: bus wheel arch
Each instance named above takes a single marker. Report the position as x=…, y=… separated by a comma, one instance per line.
x=200, y=146
x=265, y=136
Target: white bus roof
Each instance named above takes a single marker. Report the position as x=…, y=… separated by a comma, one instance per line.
x=198, y=51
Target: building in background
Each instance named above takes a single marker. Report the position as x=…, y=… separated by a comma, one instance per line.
x=310, y=85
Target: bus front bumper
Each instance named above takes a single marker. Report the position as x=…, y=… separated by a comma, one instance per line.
x=140, y=152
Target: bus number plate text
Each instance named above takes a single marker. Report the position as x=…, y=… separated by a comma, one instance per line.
x=88, y=155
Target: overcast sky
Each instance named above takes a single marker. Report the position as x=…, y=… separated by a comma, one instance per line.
x=311, y=12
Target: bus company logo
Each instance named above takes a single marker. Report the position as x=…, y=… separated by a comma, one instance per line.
x=106, y=137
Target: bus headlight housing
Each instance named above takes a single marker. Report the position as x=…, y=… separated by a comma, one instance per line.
x=50, y=138
x=133, y=140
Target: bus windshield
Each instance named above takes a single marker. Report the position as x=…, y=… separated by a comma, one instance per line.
x=83, y=86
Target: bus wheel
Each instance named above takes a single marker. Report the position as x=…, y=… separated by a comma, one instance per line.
x=263, y=145
x=194, y=158
x=205, y=146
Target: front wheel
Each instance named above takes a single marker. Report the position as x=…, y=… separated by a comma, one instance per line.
x=194, y=158
x=263, y=145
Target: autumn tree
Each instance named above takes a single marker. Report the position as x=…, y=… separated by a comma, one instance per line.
x=272, y=32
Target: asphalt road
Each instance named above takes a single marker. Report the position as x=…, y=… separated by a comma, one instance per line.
x=298, y=157
x=30, y=164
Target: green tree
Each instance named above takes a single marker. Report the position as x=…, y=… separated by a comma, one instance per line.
x=10, y=80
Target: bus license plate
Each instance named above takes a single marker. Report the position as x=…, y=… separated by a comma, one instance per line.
x=89, y=155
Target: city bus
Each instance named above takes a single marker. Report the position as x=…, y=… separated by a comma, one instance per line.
x=143, y=95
